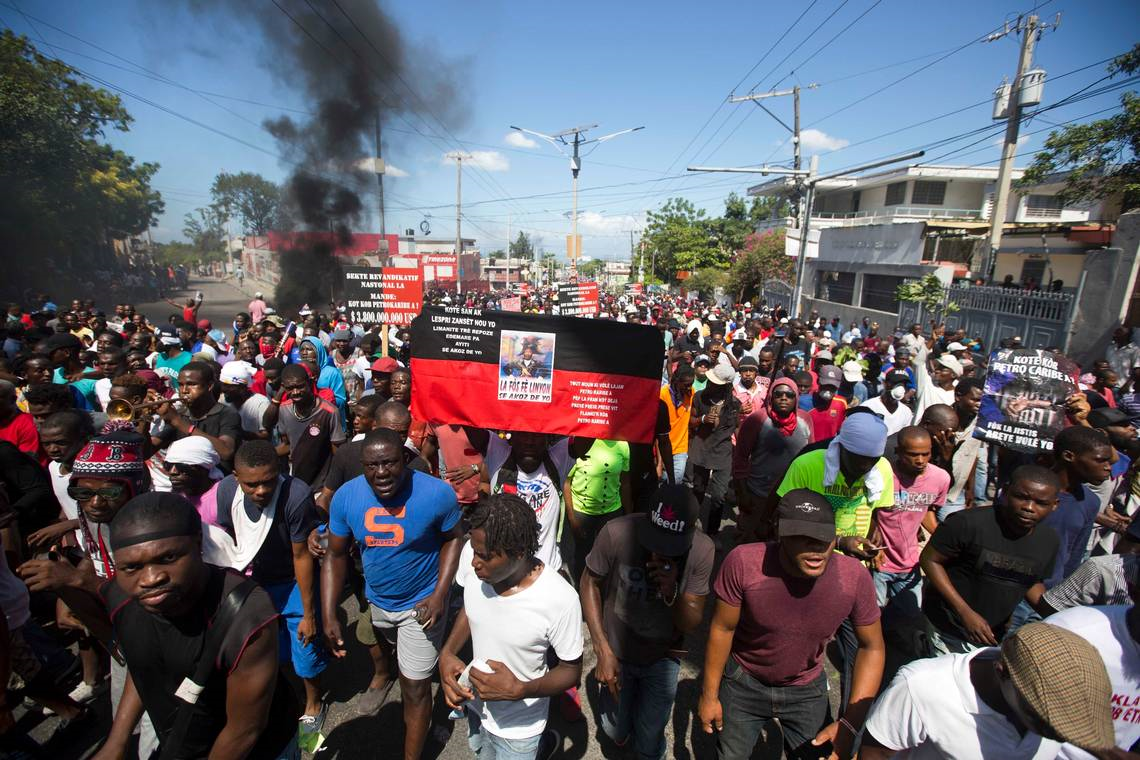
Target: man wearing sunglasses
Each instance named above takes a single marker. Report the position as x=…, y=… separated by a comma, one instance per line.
x=106, y=474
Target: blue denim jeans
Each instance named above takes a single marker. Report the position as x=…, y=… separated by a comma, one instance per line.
x=679, y=462
x=487, y=746
x=1022, y=614
x=644, y=706
x=951, y=506
x=748, y=706
x=901, y=593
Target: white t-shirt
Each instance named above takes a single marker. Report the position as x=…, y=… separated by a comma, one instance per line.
x=538, y=490
x=902, y=417
x=103, y=391
x=517, y=630
x=59, y=484
x=252, y=412
x=931, y=710
x=1106, y=628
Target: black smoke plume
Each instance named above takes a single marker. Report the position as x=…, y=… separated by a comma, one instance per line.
x=352, y=65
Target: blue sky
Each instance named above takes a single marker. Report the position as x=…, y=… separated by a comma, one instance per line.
x=665, y=65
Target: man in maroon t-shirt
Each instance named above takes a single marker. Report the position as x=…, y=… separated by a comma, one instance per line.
x=778, y=604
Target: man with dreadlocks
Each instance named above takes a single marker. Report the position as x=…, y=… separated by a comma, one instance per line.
x=508, y=681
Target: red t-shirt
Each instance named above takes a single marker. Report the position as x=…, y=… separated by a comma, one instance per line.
x=21, y=432
x=188, y=314
x=786, y=622
x=826, y=424
x=455, y=452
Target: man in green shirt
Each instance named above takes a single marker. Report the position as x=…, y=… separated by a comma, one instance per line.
x=598, y=490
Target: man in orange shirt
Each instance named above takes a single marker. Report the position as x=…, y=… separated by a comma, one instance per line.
x=677, y=397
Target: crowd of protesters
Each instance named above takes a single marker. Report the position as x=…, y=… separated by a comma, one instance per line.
x=185, y=507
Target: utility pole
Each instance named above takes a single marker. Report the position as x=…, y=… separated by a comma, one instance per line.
x=576, y=141
x=1031, y=29
x=811, y=179
x=379, y=168
x=508, y=250
x=797, y=160
x=459, y=158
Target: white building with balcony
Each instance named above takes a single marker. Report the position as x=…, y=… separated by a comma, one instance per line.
x=1044, y=240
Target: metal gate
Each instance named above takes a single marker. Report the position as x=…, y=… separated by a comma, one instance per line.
x=777, y=292
x=994, y=314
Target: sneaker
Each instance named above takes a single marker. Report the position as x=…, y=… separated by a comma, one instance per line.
x=372, y=700
x=571, y=705
x=312, y=724
x=550, y=743
x=85, y=692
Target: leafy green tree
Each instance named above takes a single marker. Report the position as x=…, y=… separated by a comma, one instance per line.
x=929, y=293
x=762, y=259
x=588, y=269
x=1101, y=157
x=205, y=228
x=250, y=198
x=62, y=188
x=732, y=229
x=706, y=281
x=766, y=207
x=523, y=247
x=683, y=239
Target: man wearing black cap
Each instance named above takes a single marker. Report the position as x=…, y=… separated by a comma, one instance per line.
x=889, y=404
x=171, y=357
x=750, y=389
x=778, y=604
x=171, y=613
x=652, y=570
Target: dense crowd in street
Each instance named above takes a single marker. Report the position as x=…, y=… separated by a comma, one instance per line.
x=185, y=507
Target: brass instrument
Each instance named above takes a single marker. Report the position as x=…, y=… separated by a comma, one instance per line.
x=121, y=409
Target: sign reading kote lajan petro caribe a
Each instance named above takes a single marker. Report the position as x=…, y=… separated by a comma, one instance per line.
x=1024, y=403
x=385, y=296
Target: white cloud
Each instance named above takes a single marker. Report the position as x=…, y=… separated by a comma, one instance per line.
x=1021, y=140
x=812, y=140
x=593, y=223
x=519, y=140
x=369, y=163
x=488, y=160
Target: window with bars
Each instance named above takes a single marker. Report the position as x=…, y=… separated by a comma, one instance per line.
x=1043, y=206
x=879, y=292
x=837, y=287
x=928, y=193
x=896, y=194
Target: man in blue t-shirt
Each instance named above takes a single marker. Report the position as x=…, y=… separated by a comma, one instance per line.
x=1082, y=457
x=407, y=526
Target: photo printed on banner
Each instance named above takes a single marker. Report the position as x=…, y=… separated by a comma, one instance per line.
x=526, y=361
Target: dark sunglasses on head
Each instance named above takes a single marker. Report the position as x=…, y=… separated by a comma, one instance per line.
x=107, y=493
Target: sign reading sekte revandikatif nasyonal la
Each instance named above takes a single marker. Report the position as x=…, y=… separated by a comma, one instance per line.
x=385, y=296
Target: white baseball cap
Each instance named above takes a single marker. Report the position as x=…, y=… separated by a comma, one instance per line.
x=236, y=373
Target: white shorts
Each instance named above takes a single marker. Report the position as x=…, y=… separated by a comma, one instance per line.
x=417, y=650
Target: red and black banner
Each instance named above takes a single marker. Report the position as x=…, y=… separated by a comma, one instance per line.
x=507, y=371
x=578, y=299
x=385, y=296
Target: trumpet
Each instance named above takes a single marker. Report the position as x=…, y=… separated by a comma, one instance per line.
x=121, y=409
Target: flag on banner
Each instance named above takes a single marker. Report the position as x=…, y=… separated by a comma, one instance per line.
x=578, y=299
x=1024, y=403
x=540, y=374
x=385, y=296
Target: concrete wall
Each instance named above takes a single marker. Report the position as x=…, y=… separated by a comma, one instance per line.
x=964, y=194
x=1066, y=267
x=1109, y=283
x=848, y=314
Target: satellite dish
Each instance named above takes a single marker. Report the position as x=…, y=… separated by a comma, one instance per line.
x=425, y=227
